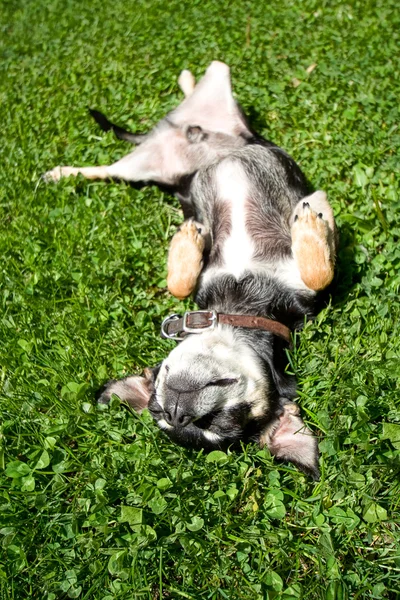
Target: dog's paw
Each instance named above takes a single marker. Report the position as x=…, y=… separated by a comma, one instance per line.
x=288, y=438
x=185, y=258
x=306, y=219
x=311, y=247
x=186, y=82
x=53, y=176
x=58, y=172
x=193, y=233
x=134, y=390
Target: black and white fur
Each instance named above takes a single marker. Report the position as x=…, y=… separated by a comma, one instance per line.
x=220, y=387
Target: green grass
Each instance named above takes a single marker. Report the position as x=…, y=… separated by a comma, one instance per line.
x=95, y=503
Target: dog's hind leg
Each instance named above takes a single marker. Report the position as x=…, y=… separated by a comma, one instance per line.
x=185, y=258
x=210, y=104
x=173, y=149
x=314, y=240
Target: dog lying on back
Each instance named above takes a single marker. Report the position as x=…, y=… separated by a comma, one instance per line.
x=258, y=248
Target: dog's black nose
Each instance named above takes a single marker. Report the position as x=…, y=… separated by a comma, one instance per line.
x=177, y=417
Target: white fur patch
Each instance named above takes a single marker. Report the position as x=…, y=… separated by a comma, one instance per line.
x=159, y=384
x=238, y=249
x=258, y=402
x=162, y=423
x=211, y=436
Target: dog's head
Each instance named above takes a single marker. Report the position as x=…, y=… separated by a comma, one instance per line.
x=209, y=389
x=216, y=389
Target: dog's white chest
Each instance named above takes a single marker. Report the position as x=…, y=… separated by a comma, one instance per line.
x=238, y=248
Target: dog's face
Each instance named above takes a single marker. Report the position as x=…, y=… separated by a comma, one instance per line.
x=214, y=390
x=209, y=388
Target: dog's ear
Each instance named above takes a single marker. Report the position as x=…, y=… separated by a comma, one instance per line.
x=277, y=362
x=289, y=439
x=212, y=105
x=134, y=390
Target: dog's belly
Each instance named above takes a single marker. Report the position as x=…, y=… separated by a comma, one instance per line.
x=238, y=253
x=237, y=250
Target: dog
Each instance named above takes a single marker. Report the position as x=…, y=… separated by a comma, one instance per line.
x=256, y=249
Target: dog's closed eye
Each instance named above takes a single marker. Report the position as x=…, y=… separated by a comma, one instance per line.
x=221, y=382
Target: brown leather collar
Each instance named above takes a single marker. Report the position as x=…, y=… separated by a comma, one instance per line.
x=176, y=327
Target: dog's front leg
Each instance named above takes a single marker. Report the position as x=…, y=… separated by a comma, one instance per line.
x=314, y=240
x=289, y=439
x=185, y=258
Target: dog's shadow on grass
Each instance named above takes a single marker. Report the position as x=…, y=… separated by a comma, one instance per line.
x=255, y=120
x=348, y=274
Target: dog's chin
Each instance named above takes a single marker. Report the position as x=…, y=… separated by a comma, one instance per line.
x=196, y=437
x=216, y=430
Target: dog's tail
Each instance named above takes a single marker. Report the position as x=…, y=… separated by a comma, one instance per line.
x=121, y=134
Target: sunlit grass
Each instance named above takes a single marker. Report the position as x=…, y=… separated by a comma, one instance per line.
x=95, y=503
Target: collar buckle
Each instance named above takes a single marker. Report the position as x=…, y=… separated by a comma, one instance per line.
x=165, y=326
x=175, y=327
x=212, y=318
